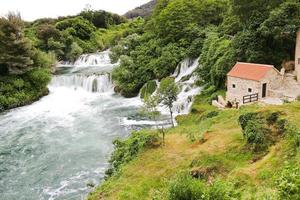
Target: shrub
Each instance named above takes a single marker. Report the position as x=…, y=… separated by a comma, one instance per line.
x=293, y=134
x=255, y=134
x=281, y=126
x=220, y=190
x=273, y=117
x=244, y=119
x=126, y=150
x=298, y=98
x=184, y=187
x=210, y=115
x=288, y=183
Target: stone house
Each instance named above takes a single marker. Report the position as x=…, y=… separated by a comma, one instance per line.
x=249, y=82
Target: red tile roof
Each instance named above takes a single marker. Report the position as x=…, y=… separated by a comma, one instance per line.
x=250, y=71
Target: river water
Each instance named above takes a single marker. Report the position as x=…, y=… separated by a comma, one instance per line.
x=53, y=148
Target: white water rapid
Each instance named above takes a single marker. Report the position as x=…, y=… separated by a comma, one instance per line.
x=185, y=79
x=52, y=149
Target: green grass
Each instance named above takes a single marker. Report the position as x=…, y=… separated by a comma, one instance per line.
x=199, y=142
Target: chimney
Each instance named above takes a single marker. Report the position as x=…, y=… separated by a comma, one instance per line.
x=297, y=56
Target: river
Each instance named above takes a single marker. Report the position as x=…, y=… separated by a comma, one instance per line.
x=53, y=148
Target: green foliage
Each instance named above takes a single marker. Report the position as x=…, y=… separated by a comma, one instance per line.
x=25, y=71
x=23, y=89
x=210, y=115
x=293, y=135
x=82, y=27
x=184, y=187
x=273, y=118
x=217, y=58
x=16, y=51
x=128, y=149
x=288, y=183
x=255, y=134
x=244, y=119
x=102, y=19
x=173, y=22
x=261, y=129
x=167, y=94
x=148, y=89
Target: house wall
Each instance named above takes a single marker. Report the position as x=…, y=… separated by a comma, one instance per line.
x=272, y=78
x=236, y=94
x=297, y=56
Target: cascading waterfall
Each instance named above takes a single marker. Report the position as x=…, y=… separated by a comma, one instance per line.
x=90, y=72
x=89, y=60
x=185, y=79
x=91, y=83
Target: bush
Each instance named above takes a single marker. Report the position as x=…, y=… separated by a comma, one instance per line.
x=293, y=135
x=273, y=117
x=288, y=183
x=260, y=129
x=184, y=187
x=244, y=119
x=220, y=190
x=255, y=134
x=298, y=98
x=210, y=115
x=126, y=150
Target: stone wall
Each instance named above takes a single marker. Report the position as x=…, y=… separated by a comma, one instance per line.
x=241, y=89
x=273, y=79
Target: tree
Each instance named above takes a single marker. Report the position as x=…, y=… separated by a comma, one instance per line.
x=16, y=51
x=167, y=94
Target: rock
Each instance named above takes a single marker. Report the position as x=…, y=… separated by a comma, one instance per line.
x=217, y=104
x=221, y=100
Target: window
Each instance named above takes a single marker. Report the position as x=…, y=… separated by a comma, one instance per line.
x=250, y=90
x=233, y=86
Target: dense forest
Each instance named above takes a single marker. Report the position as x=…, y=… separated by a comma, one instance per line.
x=219, y=32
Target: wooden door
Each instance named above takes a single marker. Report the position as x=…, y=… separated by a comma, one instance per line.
x=264, y=90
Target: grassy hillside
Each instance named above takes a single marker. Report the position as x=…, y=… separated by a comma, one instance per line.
x=209, y=144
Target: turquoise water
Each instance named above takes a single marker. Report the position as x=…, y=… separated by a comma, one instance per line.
x=54, y=147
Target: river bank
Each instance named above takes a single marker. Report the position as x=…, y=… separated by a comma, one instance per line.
x=44, y=93
x=209, y=145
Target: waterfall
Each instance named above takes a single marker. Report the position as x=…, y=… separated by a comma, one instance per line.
x=185, y=79
x=90, y=60
x=91, y=83
x=90, y=72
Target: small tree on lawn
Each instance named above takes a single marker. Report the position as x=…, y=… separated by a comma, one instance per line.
x=150, y=109
x=167, y=94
